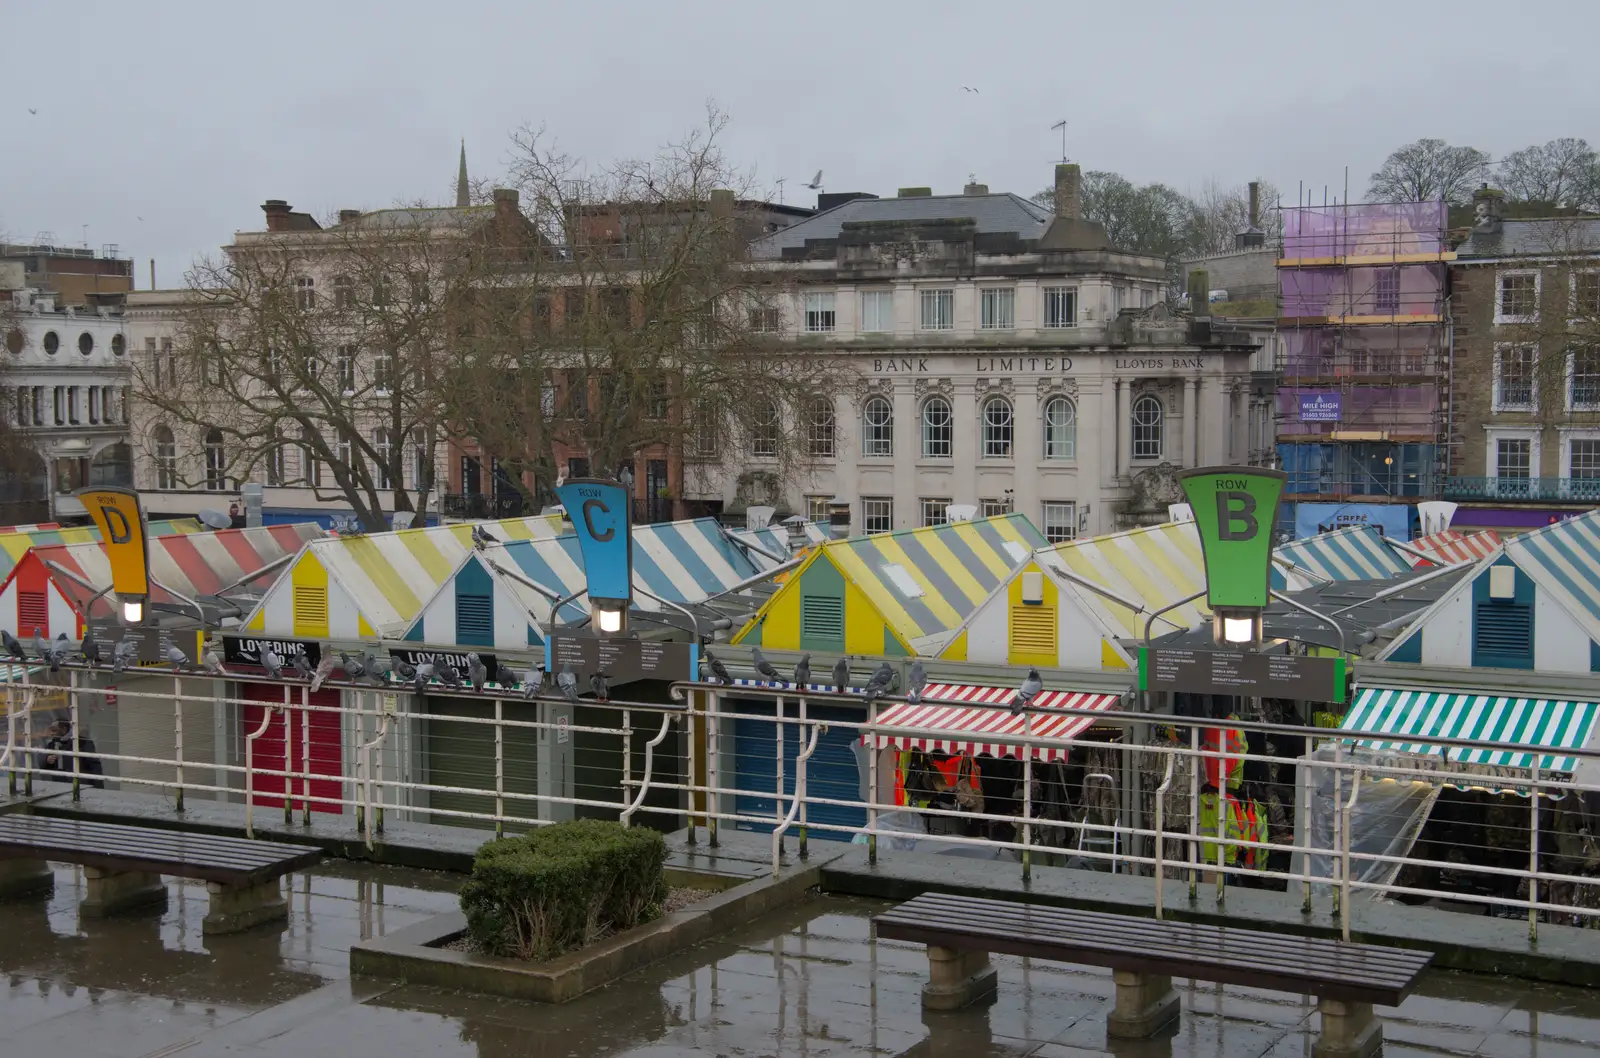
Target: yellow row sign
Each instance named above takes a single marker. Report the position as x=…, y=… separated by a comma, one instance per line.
x=116, y=513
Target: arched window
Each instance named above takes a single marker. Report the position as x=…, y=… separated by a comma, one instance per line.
x=1060, y=429
x=166, y=459
x=383, y=449
x=1147, y=425
x=877, y=427
x=936, y=433
x=216, y=461
x=764, y=432
x=997, y=428
x=820, y=429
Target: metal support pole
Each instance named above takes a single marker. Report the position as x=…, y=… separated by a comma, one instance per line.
x=249, y=768
x=800, y=774
x=1160, y=828
x=1194, y=813
x=692, y=732
x=1027, y=800
x=27, y=739
x=627, y=754
x=305, y=759
x=1337, y=822
x=72, y=702
x=177, y=715
x=1307, y=789
x=499, y=769
x=1533, y=855
x=713, y=763
x=873, y=752
x=288, y=760
x=1344, y=872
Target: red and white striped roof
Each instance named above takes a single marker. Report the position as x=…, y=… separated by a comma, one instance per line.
x=1452, y=546
x=941, y=710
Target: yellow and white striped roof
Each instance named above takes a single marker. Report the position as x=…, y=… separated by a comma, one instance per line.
x=371, y=585
x=1153, y=566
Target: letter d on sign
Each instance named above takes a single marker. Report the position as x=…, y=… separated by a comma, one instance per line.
x=1236, y=516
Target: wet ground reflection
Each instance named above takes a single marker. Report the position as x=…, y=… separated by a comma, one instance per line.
x=807, y=981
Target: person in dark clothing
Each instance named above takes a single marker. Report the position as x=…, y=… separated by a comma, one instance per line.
x=55, y=757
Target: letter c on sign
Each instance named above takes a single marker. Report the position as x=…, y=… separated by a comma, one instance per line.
x=589, y=506
x=117, y=522
x=1236, y=516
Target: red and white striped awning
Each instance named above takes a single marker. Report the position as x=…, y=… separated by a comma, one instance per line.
x=941, y=710
x=1451, y=547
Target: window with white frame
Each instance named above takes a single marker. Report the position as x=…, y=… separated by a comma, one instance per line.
x=707, y=432
x=1386, y=292
x=935, y=512
x=765, y=318
x=817, y=509
x=1148, y=423
x=421, y=459
x=1586, y=295
x=877, y=427
x=305, y=290
x=877, y=311
x=1515, y=371
x=216, y=457
x=1583, y=459
x=1583, y=378
x=383, y=454
x=820, y=429
x=1060, y=306
x=347, y=369
x=996, y=422
x=1147, y=297
x=877, y=514
x=1513, y=458
x=1060, y=429
x=764, y=432
x=938, y=310
x=997, y=308
x=993, y=508
x=166, y=458
x=819, y=314
x=1060, y=521
x=171, y=359
x=344, y=450
x=310, y=464
x=382, y=373
x=1516, y=297
x=344, y=292
x=936, y=428
x=275, y=461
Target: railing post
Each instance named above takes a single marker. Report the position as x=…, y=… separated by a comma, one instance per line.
x=288, y=759
x=1344, y=873
x=305, y=760
x=1337, y=820
x=72, y=704
x=627, y=755
x=1533, y=855
x=11, y=740
x=1027, y=798
x=358, y=761
x=713, y=763
x=499, y=769
x=177, y=720
x=777, y=784
x=692, y=737
x=27, y=737
x=801, y=764
x=1194, y=813
x=1307, y=789
x=1160, y=829
x=872, y=782
x=250, y=764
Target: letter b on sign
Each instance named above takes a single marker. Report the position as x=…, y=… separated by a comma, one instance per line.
x=1236, y=516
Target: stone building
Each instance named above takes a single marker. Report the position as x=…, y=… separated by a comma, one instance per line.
x=1008, y=357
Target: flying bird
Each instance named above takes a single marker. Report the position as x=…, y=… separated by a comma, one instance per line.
x=597, y=684
x=90, y=651
x=802, y=672
x=1027, y=692
x=974, y=91
x=841, y=676
x=477, y=672
x=13, y=647
x=324, y=670
x=211, y=663
x=880, y=682
x=568, y=683
x=177, y=658
x=816, y=182
x=272, y=663
x=764, y=668
x=302, y=666
x=718, y=669
x=915, y=682
x=32, y=110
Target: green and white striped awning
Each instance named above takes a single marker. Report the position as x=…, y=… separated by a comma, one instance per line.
x=1409, y=717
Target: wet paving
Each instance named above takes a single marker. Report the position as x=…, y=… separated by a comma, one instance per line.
x=809, y=980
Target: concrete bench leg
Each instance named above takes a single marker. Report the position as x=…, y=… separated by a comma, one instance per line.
x=237, y=908
x=957, y=978
x=1349, y=1030
x=24, y=878
x=1145, y=1004
x=111, y=892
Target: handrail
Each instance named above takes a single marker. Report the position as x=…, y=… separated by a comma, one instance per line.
x=364, y=762
x=1160, y=828
x=799, y=793
x=1344, y=872
x=1149, y=622
x=249, y=764
x=649, y=766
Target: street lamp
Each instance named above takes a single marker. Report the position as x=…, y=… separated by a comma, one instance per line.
x=609, y=616
x=132, y=609
x=1237, y=628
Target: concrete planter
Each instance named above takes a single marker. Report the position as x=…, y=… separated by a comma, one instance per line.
x=415, y=954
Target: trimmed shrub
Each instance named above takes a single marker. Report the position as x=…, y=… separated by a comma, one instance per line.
x=560, y=887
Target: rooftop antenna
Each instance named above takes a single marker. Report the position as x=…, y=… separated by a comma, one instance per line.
x=780, y=182
x=1062, y=125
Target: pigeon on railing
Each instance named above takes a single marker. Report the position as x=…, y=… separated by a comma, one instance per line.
x=302, y=666
x=879, y=683
x=124, y=652
x=719, y=671
x=916, y=682
x=272, y=663
x=90, y=651
x=534, y=682
x=422, y=673
x=477, y=672
x=353, y=669
x=1027, y=692
x=568, y=682
x=211, y=663
x=841, y=676
x=58, y=651
x=39, y=647
x=177, y=658
x=13, y=647
x=597, y=684
x=323, y=671
x=802, y=672
x=448, y=674
x=764, y=668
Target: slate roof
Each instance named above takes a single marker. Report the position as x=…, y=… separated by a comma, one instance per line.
x=1001, y=213
x=1533, y=238
x=420, y=217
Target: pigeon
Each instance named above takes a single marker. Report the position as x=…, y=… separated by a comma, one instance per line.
x=211, y=663
x=504, y=675
x=353, y=670
x=423, y=673
x=477, y=672
x=915, y=682
x=405, y=670
x=13, y=647
x=58, y=651
x=841, y=676
x=448, y=674
x=568, y=683
x=482, y=538
x=272, y=663
x=120, y=654
x=802, y=672
x=178, y=658
x=370, y=667
x=764, y=668
x=534, y=682
x=302, y=666
x=880, y=682
x=90, y=651
x=1027, y=692
x=597, y=684
x=38, y=645
x=718, y=669
x=324, y=670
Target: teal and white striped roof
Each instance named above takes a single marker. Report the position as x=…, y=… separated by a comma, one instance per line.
x=1356, y=552
x=1564, y=559
x=1407, y=718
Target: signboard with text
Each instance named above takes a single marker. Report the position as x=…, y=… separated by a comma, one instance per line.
x=622, y=658
x=1235, y=509
x=599, y=513
x=456, y=659
x=247, y=650
x=1242, y=673
x=116, y=514
x=1320, y=407
x=149, y=641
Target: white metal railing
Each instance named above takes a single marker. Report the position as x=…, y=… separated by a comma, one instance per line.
x=1500, y=857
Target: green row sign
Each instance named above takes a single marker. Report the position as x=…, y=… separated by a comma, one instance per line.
x=1235, y=509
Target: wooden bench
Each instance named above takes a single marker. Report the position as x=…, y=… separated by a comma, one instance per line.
x=123, y=866
x=1144, y=955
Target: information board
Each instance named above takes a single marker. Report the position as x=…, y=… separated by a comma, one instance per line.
x=1242, y=673
x=621, y=658
x=246, y=650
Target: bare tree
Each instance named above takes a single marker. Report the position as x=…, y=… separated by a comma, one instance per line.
x=1220, y=212
x=1563, y=173
x=1427, y=170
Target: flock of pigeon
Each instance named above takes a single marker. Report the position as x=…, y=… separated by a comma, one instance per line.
x=376, y=671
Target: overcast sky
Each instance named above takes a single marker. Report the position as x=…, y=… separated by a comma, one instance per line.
x=163, y=126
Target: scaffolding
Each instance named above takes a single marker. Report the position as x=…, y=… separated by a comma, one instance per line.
x=1363, y=409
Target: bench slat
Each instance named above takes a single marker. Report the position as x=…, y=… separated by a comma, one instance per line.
x=184, y=854
x=1230, y=955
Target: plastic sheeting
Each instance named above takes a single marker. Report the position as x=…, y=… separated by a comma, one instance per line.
x=1386, y=821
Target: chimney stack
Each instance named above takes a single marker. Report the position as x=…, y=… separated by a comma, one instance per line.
x=1069, y=190
x=1200, y=292
x=348, y=215
x=722, y=203
x=277, y=211
x=1486, y=209
x=1255, y=203
x=975, y=189
x=507, y=202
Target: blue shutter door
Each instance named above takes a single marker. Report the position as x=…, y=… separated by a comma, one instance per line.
x=831, y=772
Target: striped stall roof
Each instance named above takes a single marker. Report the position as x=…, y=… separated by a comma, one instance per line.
x=381, y=579
x=1407, y=717
x=941, y=711
x=1452, y=547
x=775, y=538
x=16, y=540
x=926, y=581
x=1356, y=552
x=1564, y=558
x=1154, y=565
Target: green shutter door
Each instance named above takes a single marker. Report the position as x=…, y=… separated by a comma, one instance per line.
x=462, y=754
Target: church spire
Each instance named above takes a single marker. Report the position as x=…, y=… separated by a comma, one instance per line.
x=463, y=196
